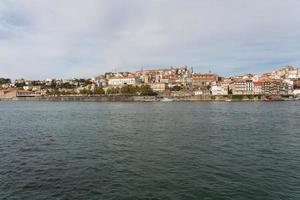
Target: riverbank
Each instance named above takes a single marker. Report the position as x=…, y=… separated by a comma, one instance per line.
x=125, y=98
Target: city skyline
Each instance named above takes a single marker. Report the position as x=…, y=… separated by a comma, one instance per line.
x=64, y=39
x=114, y=71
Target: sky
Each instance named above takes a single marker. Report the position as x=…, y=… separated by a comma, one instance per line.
x=74, y=38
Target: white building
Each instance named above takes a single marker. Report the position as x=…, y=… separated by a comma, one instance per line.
x=243, y=87
x=158, y=87
x=122, y=81
x=249, y=87
x=296, y=92
x=219, y=89
x=293, y=74
x=198, y=92
x=287, y=86
x=27, y=87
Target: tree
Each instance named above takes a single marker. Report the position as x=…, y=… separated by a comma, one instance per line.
x=129, y=89
x=67, y=86
x=147, y=90
x=53, y=84
x=87, y=82
x=20, y=85
x=4, y=80
x=176, y=88
x=54, y=92
x=114, y=90
x=99, y=90
x=85, y=91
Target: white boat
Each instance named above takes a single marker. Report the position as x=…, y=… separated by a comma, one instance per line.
x=166, y=100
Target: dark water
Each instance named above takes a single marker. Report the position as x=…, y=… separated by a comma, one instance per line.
x=150, y=150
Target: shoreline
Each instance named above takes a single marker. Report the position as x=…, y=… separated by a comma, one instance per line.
x=124, y=98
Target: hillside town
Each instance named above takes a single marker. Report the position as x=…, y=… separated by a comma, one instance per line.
x=167, y=82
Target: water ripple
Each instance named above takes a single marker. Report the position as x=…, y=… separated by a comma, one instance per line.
x=243, y=151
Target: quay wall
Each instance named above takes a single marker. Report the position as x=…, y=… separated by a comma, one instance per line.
x=88, y=98
x=124, y=98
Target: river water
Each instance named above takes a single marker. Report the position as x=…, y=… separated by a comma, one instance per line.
x=155, y=150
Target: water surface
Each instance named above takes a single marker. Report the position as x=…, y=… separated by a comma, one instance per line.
x=171, y=150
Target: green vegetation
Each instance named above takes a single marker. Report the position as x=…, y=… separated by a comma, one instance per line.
x=86, y=92
x=54, y=92
x=176, y=88
x=96, y=91
x=99, y=90
x=250, y=96
x=147, y=91
x=4, y=80
x=237, y=97
x=179, y=87
x=130, y=89
x=67, y=86
x=20, y=85
x=114, y=90
x=82, y=82
x=144, y=90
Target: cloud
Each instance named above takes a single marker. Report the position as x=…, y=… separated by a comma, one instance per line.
x=73, y=38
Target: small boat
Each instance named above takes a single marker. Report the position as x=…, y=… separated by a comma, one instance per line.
x=166, y=100
x=290, y=99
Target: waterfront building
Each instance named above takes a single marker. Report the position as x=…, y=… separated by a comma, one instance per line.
x=242, y=87
x=296, y=85
x=271, y=87
x=5, y=85
x=147, y=78
x=27, y=87
x=249, y=87
x=296, y=92
x=171, y=80
x=116, y=81
x=221, y=89
x=238, y=87
x=203, y=79
x=257, y=87
x=158, y=87
x=198, y=92
x=8, y=94
x=100, y=81
x=287, y=87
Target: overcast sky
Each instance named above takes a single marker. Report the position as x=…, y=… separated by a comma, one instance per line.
x=83, y=38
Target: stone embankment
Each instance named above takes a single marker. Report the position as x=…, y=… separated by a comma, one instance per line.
x=125, y=98
x=89, y=98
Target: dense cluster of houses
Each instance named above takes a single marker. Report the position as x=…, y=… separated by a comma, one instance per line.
x=285, y=81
